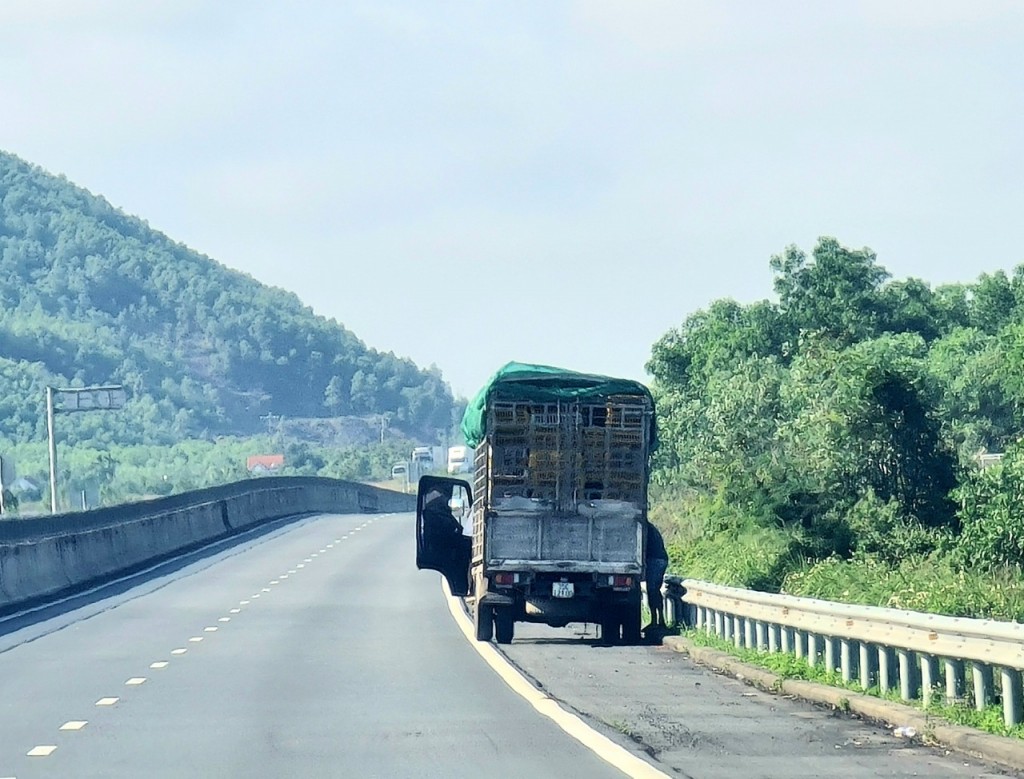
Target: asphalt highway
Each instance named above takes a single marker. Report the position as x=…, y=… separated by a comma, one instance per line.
x=315, y=651
x=318, y=650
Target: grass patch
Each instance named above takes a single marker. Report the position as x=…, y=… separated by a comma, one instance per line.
x=789, y=666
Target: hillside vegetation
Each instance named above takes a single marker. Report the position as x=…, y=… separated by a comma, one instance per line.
x=826, y=443
x=90, y=295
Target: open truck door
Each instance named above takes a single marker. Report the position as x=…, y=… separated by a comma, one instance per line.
x=441, y=544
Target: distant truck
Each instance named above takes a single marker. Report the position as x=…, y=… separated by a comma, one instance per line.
x=559, y=504
x=429, y=458
x=460, y=459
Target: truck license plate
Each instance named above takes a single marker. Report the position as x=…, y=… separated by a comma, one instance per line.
x=562, y=589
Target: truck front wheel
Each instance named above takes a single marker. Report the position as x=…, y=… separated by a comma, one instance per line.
x=504, y=624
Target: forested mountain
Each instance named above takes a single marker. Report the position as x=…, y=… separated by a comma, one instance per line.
x=90, y=295
x=845, y=418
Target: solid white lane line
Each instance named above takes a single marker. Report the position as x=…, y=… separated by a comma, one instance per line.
x=75, y=724
x=42, y=751
x=107, y=701
x=599, y=744
x=159, y=664
x=135, y=681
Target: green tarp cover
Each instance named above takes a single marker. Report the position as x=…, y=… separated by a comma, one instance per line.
x=543, y=384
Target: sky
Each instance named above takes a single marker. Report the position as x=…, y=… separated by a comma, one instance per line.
x=553, y=181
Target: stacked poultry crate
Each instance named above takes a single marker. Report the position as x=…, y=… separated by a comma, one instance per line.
x=565, y=453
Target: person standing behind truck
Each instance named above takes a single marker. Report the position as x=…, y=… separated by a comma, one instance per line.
x=656, y=565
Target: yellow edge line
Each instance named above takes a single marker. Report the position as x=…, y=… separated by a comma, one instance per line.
x=600, y=745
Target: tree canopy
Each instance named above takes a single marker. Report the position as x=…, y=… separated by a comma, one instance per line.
x=849, y=411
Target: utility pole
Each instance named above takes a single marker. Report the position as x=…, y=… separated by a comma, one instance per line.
x=53, y=450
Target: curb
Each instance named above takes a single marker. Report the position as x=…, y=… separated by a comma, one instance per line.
x=1007, y=752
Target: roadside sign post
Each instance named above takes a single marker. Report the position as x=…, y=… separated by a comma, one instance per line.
x=109, y=397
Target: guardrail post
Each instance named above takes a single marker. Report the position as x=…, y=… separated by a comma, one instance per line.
x=727, y=627
x=799, y=647
x=954, y=681
x=929, y=677
x=813, y=650
x=1013, y=702
x=846, y=659
x=868, y=664
x=762, y=639
x=981, y=675
x=886, y=669
x=786, y=635
x=737, y=632
x=748, y=633
x=773, y=638
x=671, y=611
x=831, y=663
x=908, y=674
x=719, y=624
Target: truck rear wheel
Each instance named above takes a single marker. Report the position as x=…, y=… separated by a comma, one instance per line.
x=631, y=623
x=610, y=627
x=504, y=624
x=483, y=622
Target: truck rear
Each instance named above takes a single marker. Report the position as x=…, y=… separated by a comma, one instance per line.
x=559, y=501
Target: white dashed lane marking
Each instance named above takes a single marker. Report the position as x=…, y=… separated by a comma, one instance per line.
x=44, y=750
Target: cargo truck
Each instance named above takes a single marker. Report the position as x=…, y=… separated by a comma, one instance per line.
x=558, y=505
x=460, y=459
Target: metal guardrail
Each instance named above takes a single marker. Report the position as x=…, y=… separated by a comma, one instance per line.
x=885, y=649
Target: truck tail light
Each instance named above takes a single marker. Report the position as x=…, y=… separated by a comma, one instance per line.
x=506, y=579
x=620, y=582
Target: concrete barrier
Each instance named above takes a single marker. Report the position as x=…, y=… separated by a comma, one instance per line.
x=45, y=557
